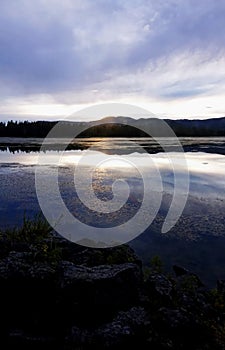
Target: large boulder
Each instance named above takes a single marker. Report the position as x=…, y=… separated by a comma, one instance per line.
x=27, y=293
x=127, y=329
x=159, y=289
x=80, y=255
x=183, y=276
x=96, y=294
x=21, y=265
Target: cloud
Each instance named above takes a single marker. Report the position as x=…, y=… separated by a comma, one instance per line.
x=88, y=51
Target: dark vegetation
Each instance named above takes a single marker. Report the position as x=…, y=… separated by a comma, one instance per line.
x=55, y=294
x=114, y=127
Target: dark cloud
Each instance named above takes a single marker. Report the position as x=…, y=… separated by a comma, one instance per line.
x=55, y=46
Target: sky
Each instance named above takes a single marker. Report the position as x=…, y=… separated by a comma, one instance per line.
x=58, y=57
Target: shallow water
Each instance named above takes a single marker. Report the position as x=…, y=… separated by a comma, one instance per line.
x=196, y=241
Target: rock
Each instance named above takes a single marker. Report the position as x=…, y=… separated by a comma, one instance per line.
x=14, y=266
x=21, y=265
x=175, y=318
x=71, y=273
x=19, y=338
x=100, y=298
x=159, y=288
x=90, y=257
x=180, y=271
x=221, y=287
x=186, y=330
x=184, y=274
x=97, y=293
x=27, y=293
x=79, y=338
x=4, y=245
x=69, y=250
x=126, y=329
x=41, y=271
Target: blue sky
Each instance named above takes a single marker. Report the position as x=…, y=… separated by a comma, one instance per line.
x=59, y=56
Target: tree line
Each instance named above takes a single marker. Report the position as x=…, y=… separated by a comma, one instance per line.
x=40, y=129
x=25, y=128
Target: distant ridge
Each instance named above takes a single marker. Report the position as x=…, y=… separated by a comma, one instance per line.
x=111, y=126
x=181, y=127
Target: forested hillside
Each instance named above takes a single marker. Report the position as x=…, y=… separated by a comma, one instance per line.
x=114, y=127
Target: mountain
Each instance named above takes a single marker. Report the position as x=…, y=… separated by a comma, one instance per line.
x=124, y=126
x=208, y=127
x=116, y=127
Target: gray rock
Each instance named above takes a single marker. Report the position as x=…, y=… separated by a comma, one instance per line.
x=14, y=266
x=179, y=270
x=18, y=265
x=71, y=273
x=97, y=293
x=19, y=338
x=159, y=287
x=126, y=329
x=221, y=287
x=175, y=318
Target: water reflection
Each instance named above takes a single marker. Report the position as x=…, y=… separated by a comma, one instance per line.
x=202, y=224
x=115, y=145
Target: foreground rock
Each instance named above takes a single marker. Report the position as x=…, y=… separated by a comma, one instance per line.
x=128, y=328
x=94, y=295
x=62, y=296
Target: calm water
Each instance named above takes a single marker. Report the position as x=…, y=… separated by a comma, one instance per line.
x=198, y=234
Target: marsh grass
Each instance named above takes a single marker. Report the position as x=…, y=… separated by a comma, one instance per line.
x=34, y=236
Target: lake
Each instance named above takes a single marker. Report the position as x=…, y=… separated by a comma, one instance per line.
x=197, y=240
